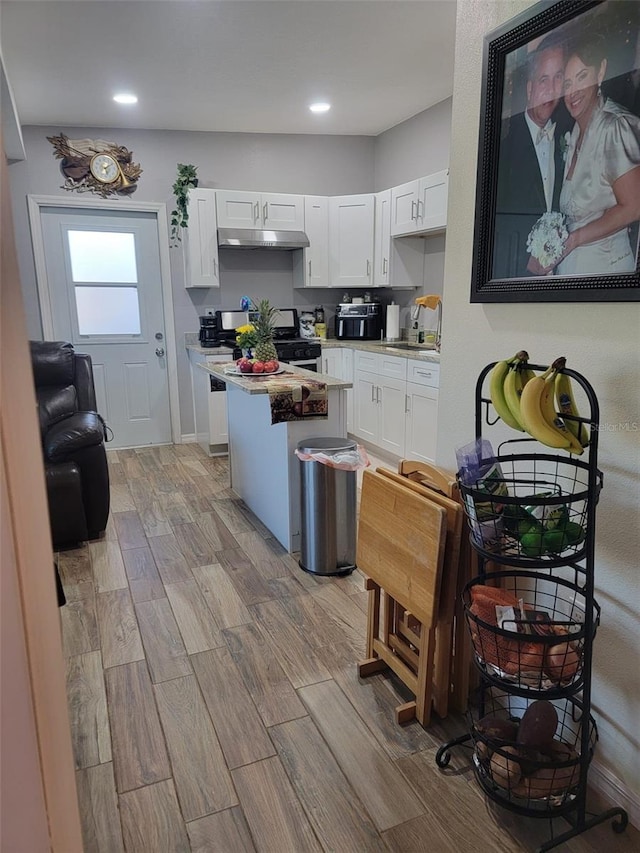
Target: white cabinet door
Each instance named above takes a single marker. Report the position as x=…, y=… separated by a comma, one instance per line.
x=282, y=212
x=432, y=202
x=351, y=240
x=237, y=209
x=422, y=422
x=392, y=417
x=332, y=362
x=316, y=226
x=366, y=405
x=404, y=205
x=347, y=375
x=200, y=241
x=382, y=239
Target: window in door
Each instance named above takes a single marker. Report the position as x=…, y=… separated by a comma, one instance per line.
x=104, y=277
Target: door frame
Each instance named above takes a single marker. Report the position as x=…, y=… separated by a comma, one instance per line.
x=35, y=205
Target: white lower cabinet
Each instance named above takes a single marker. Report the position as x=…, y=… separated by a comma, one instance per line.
x=338, y=362
x=347, y=375
x=422, y=422
x=396, y=404
x=391, y=399
x=209, y=404
x=332, y=362
x=379, y=385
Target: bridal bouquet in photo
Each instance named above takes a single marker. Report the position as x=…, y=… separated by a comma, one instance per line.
x=547, y=238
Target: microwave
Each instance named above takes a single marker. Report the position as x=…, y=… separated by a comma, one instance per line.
x=361, y=322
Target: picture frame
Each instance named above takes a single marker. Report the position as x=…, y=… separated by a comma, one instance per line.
x=559, y=81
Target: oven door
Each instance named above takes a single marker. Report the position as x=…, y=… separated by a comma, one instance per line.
x=312, y=364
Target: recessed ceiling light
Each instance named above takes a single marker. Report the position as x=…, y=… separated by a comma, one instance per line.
x=320, y=107
x=125, y=99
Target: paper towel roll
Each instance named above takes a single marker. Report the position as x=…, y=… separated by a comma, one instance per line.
x=393, y=322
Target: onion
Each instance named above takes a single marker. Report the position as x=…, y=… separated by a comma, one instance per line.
x=561, y=662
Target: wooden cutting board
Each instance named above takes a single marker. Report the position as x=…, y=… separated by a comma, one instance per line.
x=401, y=544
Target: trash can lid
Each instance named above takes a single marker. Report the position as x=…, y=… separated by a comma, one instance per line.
x=310, y=445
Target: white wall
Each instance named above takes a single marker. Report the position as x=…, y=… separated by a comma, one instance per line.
x=602, y=341
x=415, y=147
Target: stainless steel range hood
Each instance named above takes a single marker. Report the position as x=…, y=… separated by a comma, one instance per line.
x=247, y=238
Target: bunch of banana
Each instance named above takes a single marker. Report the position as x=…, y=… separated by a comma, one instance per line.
x=517, y=377
x=538, y=413
x=567, y=405
x=497, y=382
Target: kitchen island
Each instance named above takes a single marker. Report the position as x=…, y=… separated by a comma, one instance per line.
x=264, y=469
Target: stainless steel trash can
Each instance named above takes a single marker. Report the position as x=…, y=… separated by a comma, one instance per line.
x=327, y=510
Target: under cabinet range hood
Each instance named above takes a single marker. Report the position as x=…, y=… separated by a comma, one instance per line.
x=249, y=238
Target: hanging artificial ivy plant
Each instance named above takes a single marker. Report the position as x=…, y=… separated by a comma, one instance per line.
x=185, y=181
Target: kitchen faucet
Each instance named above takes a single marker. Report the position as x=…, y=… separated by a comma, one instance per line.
x=434, y=302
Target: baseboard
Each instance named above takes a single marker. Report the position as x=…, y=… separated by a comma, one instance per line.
x=189, y=438
x=615, y=792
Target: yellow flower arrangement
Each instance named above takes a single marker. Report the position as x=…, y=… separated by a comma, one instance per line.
x=246, y=337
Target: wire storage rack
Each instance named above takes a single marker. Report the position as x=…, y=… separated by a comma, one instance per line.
x=532, y=617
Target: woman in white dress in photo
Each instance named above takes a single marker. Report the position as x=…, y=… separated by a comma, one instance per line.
x=601, y=190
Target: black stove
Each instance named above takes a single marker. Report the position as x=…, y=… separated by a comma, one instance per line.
x=291, y=348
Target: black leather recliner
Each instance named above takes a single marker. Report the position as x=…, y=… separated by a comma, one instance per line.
x=72, y=434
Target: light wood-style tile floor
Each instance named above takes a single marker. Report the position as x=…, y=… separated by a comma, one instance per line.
x=214, y=699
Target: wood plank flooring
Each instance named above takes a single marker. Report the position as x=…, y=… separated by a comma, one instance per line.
x=214, y=699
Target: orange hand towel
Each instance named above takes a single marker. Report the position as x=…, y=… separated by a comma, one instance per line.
x=431, y=301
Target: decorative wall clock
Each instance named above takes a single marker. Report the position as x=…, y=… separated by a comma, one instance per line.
x=95, y=165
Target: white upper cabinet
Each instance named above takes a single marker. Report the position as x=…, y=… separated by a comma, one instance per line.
x=351, y=240
x=404, y=204
x=382, y=239
x=432, y=201
x=237, y=209
x=200, y=241
x=316, y=256
x=420, y=206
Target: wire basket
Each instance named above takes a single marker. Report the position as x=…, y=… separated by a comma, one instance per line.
x=529, y=631
x=533, y=778
x=534, y=507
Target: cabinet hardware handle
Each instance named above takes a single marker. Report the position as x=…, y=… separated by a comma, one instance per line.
x=265, y=211
x=215, y=268
x=418, y=214
x=407, y=403
x=309, y=268
x=426, y=373
x=413, y=210
x=368, y=268
x=384, y=266
x=373, y=398
x=256, y=211
x=378, y=393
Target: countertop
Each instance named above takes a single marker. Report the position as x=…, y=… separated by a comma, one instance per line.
x=249, y=384
x=417, y=351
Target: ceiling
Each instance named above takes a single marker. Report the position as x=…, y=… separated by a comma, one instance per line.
x=237, y=65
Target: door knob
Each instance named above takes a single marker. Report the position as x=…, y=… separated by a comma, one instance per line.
x=159, y=352
x=158, y=336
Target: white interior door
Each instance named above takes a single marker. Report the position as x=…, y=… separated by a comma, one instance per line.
x=105, y=290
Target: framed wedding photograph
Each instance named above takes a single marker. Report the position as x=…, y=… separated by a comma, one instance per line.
x=558, y=182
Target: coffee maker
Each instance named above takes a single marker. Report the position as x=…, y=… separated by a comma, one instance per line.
x=209, y=336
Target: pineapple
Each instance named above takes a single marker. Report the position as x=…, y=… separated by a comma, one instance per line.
x=263, y=324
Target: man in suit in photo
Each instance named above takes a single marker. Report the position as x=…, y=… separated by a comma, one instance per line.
x=530, y=166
